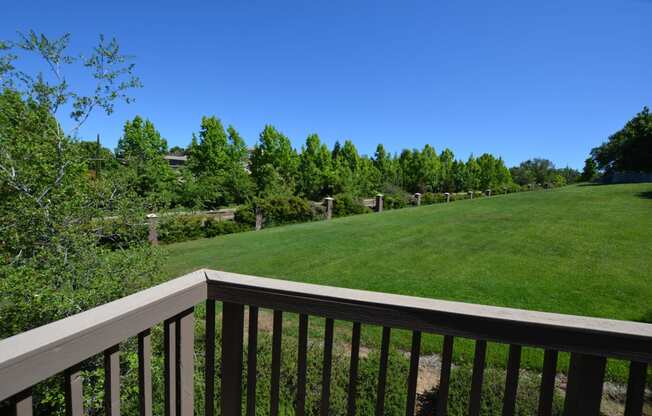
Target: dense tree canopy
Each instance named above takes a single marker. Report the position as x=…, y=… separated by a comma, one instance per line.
x=629, y=149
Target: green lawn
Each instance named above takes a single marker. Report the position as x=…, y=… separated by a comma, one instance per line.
x=584, y=250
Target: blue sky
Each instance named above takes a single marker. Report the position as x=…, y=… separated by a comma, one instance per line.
x=518, y=79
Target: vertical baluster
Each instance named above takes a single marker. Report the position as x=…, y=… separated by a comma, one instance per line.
x=170, y=354
x=21, y=403
x=145, y=373
x=584, y=389
x=302, y=365
x=548, y=382
x=353, y=370
x=185, y=334
x=252, y=349
x=478, y=375
x=73, y=392
x=326, y=368
x=511, y=380
x=276, y=362
x=382, y=372
x=112, y=381
x=414, y=372
x=232, y=348
x=635, y=389
x=209, y=364
x=445, y=375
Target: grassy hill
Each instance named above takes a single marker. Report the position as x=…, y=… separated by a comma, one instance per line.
x=584, y=250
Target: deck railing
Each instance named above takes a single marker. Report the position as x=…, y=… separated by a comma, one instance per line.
x=33, y=356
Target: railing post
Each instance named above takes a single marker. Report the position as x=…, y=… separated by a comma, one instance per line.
x=73, y=392
x=259, y=218
x=145, y=372
x=232, y=330
x=584, y=390
x=379, y=203
x=329, y=207
x=21, y=404
x=169, y=346
x=112, y=381
x=185, y=363
x=417, y=198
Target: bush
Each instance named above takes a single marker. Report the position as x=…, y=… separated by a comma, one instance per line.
x=276, y=211
x=177, y=228
x=214, y=227
x=396, y=201
x=527, y=396
x=345, y=204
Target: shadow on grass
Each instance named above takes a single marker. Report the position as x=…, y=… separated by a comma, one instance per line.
x=646, y=318
x=646, y=195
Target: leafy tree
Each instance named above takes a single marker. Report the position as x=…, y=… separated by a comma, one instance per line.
x=474, y=174
x=142, y=149
x=177, y=151
x=430, y=168
x=52, y=210
x=629, y=149
x=533, y=171
x=447, y=158
x=590, y=171
x=274, y=163
x=569, y=174
x=315, y=166
x=218, y=162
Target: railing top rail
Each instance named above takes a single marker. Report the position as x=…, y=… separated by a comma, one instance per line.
x=607, y=337
x=32, y=356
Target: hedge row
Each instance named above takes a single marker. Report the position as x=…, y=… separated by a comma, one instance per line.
x=287, y=210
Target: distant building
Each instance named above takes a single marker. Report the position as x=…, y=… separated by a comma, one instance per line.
x=176, y=161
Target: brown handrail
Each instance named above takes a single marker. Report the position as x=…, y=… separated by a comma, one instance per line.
x=28, y=358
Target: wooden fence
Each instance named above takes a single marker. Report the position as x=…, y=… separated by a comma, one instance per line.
x=31, y=357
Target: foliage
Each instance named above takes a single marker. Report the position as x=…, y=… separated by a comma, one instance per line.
x=141, y=149
x=493, y=388
x=182, y=227
x=217, y=162
x=275, y=211
x=51, y=261
x=590, y=170
x=274, y=163
x=345, y=204
x=629, y=149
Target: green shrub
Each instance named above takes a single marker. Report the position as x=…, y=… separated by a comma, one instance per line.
x=214, y=227
x=396, y=201
x=345, y=204
x=176, y=228
x=276, y=211
x=493, y=386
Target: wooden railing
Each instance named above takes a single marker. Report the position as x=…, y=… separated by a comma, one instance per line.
x=31, y=357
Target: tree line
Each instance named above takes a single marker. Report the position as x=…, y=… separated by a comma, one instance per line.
x=221, y=170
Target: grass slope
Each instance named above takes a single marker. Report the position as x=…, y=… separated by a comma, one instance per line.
x=583, y=250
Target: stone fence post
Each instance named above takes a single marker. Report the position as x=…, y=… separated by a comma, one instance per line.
x=417, y=196
x=379, y=203
x=329, y=207
x=152, y=235
x=259, y=218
